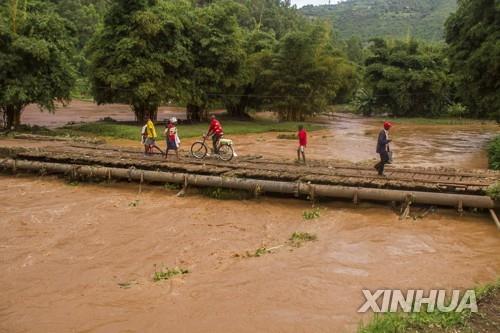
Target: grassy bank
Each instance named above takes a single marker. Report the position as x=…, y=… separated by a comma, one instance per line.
x=494, y=153
x=132, y=132
x=485, y=320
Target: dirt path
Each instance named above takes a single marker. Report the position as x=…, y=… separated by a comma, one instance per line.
x=63, y=258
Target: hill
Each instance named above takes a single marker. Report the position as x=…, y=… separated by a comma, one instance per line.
x=423, y=19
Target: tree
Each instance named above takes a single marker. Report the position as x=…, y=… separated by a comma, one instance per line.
x=473, y=35
x=140, y=55
x=304, y=74
x=35, y=60
x=406, y=78
x=217, y=57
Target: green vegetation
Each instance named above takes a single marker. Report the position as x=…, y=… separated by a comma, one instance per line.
x=132, y=132
x=258, y=253
x=488, y=297
x=298, y=238
x=368, y=19
x=166, y=273
x=404, y=79
x=35, y=59
x=494, y=153
x=311, y=214
x=250, y=56
x=225, y=194
x=217, y=53
x=493, y=191
x=134, y=203
x=472, y=34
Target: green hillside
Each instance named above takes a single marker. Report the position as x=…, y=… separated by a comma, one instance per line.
x=423, y=19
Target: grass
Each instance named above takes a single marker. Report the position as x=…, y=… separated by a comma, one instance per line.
x=298, y=238
x=172, y=186
x=311, y=214
x=493, y=191
x=258, y=253
x=225, y=194
x=494, y=153
x=134, y=203
x=166, y=273
x=132, y=132
x=459, y=322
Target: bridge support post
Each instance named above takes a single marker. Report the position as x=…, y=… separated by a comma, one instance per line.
x=495, y=218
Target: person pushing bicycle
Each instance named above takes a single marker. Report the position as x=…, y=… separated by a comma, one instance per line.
x=215, y=130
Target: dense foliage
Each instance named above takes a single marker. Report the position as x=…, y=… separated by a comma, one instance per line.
x=473, y=35
x=405, y=79
x=305, y=74
x=139, y=56
x=368, y=19
x=252, y=55
x=222, y=52
x=35, y=59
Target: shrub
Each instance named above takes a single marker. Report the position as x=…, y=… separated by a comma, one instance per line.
x=494, y=153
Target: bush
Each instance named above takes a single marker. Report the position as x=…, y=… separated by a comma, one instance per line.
x=457, y=110
x=494, y=153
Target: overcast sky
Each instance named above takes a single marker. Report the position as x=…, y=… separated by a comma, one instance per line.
x=301, y=3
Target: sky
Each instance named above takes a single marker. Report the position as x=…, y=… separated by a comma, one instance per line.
x=301, y=3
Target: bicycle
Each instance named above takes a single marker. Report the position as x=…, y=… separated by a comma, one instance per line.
x=199, y=149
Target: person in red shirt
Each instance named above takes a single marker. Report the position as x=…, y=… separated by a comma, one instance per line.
x=215, y=130
x=302, y=134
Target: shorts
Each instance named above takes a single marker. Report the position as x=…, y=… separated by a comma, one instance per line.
x=149, y=142
x=171, y=144
x=301, y=148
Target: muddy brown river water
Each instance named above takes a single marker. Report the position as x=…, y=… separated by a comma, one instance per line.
x=65, y=250
x=81, y=258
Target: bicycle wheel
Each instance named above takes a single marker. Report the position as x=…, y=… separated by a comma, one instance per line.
x=226, y=152
x=199, y=150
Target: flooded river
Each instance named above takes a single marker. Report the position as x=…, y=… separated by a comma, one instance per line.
x=81, y=258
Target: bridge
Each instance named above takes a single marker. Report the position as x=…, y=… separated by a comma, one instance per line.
x=321, y=178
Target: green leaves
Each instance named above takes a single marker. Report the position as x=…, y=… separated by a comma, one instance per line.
x=404, y=78
x=35, y=63
x=472, y=34
x=141, y=54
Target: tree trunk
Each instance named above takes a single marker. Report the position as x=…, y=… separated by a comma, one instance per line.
x=239, y=109
x=12, y=116
x=196, y=113
x=142, y=112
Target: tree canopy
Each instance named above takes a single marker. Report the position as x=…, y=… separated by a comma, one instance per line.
x=140, y=54
x=35, y=59
x=473, y=36
x=406, y=78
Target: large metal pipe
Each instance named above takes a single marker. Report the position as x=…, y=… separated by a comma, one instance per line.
x=332, y=191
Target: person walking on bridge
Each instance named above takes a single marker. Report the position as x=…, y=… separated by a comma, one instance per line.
x=150, y=140
x=383, y=148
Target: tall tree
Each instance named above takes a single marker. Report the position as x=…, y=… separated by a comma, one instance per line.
x=406, y=78
x=473, y=37
x=217, y=57
x=140, y=54
x=304, y=74
x=35, y=60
